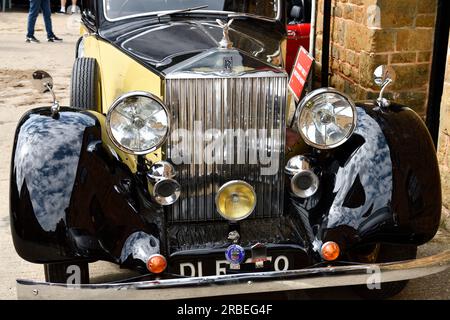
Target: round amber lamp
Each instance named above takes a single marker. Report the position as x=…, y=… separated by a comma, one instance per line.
x=330, y=251
x=156, y=264
x=236, y=200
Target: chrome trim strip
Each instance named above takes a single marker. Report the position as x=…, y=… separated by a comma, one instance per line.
x=257, y=282
x=173, y=75
x=231, y=14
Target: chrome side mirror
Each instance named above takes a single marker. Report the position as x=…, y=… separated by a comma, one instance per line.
x=43, y=82
x=383, y=76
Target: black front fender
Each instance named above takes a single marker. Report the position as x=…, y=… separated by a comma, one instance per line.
x=382, y=185
x=44, y=164
x=71, y=195
x=417, y=197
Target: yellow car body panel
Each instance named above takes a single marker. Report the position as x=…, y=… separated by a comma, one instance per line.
x=118, y=74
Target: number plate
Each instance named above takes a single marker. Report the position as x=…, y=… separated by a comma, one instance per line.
x=200, y=264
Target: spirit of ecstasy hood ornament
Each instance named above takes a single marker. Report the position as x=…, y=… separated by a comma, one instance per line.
x=225, y=43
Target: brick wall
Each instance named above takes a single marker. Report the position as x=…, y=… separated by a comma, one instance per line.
x=367, y=33
x=444, y=143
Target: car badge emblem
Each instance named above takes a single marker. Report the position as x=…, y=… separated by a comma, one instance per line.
x=228, y=64
x=235, y=255
x=225, y=43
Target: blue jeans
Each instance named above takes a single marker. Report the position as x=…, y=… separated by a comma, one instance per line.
x=35, y=7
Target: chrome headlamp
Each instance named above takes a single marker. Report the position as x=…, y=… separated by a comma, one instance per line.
x=138, y=123
x=326, y=118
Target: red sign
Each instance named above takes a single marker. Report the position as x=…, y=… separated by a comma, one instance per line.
x=300, y=72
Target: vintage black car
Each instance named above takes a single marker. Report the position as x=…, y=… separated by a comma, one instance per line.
x=176, y=158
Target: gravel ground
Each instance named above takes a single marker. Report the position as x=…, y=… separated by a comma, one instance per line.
x=17, y=62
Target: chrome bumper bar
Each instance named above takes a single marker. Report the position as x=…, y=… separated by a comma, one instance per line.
x=257, y=282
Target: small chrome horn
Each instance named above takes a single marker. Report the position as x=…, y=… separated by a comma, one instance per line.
x=304, y=182
x=162, y=170
x=43, y=83
x=166, y=192
x=163, y=188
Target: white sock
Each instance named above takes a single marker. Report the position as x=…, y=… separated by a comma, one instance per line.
x=62, y=10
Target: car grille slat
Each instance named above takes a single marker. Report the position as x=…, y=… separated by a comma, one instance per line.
x=251, y=102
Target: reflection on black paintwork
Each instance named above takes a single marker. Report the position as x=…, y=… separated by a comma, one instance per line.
x=174, y=48
x=139, y=245
x=46, y=159
x=372, y=164
x=171, y=41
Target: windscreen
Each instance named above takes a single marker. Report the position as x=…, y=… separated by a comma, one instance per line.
x=119, y=9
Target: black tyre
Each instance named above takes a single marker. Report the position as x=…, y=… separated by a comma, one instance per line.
x=70, y=273
x=387, y=253
x=84, y=89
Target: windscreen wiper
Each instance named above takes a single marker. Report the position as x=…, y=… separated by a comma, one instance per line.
x=168, y=13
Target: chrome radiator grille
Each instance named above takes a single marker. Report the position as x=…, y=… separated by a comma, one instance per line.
x=250, y=108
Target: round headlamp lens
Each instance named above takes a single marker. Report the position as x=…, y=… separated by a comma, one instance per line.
x=236, y=200
x=327, y=119
x=138, y=123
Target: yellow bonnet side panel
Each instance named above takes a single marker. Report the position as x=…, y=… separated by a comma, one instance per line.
x=119, y=74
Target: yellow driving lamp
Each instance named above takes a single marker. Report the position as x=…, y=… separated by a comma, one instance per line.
x=236, y=200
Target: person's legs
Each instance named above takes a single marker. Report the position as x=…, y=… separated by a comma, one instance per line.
x=35, y=6
x=47, y=12
x=74, y=6
x=63, y=6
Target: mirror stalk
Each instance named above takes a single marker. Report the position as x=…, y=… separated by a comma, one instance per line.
x=383, y=102
x=55, y=106
x=383, y=77
x=43, y=82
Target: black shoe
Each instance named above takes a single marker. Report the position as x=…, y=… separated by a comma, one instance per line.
x=32, y=39
x=54, y=39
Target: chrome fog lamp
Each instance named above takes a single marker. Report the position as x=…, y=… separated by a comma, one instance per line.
x=236, y=200
x=138, y=123
x=304, y=182
x=163, y=188
x=326, y=118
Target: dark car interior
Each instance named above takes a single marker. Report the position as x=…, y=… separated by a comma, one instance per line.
x=299, y=11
